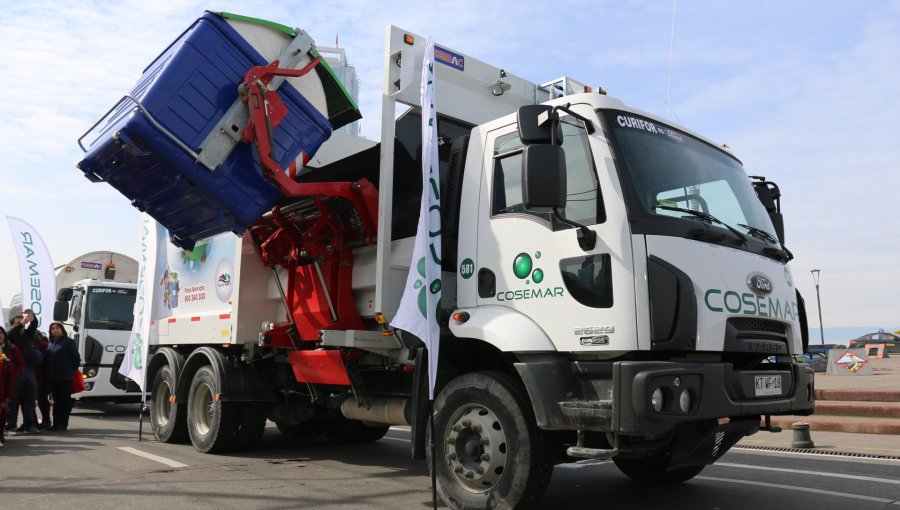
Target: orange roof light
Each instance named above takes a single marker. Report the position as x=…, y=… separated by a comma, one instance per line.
x=409, y=39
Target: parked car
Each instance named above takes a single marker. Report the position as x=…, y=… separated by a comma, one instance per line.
x=891, y=341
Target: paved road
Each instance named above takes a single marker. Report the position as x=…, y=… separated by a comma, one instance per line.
x=88, y=468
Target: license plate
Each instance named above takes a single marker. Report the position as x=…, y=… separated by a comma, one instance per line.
x=767, y=385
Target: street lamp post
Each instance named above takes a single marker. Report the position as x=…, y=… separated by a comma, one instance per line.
x=815, y=274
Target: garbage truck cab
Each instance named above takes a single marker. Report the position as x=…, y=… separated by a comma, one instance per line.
x=95, y=301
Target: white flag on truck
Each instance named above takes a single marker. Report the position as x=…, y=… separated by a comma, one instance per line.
x=135, y=362
x=35, y=271
x=422, y=294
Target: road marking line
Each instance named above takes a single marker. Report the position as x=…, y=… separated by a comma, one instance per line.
x=796, y=488
x=805, y=472
x=157, y=458
x=396, y=439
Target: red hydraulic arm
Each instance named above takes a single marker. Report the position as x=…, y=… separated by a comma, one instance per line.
x=313, y=235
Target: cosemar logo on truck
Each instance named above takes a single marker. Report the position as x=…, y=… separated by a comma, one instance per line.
x=523, y=268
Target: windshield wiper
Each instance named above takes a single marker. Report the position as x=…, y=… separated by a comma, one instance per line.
x=760, y=233
x=783, y=254
x=706, y=216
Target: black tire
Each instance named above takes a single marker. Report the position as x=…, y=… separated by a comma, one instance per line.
x=652, y=470
x=168, y=420
x=213, y=425
x=370, y=433
x=483, y=422
x=303, y=429
x=252, y=426
x=339, y=430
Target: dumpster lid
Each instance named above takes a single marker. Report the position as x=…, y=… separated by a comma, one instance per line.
x=322, y=89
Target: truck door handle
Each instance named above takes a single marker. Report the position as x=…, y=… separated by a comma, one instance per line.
x=487, y=283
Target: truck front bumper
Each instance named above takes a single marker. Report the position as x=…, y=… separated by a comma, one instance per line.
x=619, y=396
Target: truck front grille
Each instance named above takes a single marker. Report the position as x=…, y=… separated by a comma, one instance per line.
x=747, y=325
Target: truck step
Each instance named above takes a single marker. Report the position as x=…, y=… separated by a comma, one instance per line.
x=581, y=452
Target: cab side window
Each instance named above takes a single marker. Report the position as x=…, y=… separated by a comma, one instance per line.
x=584, y=203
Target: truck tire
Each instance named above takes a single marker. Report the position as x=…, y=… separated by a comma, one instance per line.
x=490, y=453
x=168, y=420
x=370, y=433
x=252, y=426
x=212, y=424
x=303, y=429
x=652, y=470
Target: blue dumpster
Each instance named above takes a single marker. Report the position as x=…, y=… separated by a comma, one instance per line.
x=147, y=146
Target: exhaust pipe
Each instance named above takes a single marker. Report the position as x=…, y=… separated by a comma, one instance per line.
x=384, y=410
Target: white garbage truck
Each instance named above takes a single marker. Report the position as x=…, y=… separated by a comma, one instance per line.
x=614, y=286
x=95, y=300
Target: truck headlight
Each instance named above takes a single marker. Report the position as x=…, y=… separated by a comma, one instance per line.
x=657, y=400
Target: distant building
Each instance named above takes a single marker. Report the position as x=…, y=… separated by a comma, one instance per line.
x=337, y=59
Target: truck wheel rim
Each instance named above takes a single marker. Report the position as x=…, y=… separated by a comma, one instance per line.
x=476, y=448
x=203, y=409
x=161, y=404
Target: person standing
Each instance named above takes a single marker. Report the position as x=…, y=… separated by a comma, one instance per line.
x=64, y=361
x=22, y=335
x=10, y=363
x=43, y=380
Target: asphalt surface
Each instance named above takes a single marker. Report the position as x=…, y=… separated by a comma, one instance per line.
x=87, y=467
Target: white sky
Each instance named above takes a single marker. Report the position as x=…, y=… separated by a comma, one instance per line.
x=805, y=92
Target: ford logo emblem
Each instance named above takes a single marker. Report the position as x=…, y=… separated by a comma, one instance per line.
x=759, y=284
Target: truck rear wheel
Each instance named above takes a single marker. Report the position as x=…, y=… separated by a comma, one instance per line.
x=652, y=470
x=252, y=426
x=168, y=420
x=212, y=424
x=490, y=453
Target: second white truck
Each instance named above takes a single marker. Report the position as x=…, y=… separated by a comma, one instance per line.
x=96, y=294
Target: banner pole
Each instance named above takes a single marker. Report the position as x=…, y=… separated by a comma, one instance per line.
x=433, y=460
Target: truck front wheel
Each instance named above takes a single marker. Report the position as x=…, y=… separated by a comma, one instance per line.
x=213, y=424
x=652, y=470
x=490, y=453
x=168, y=419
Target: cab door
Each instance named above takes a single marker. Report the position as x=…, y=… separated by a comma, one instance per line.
x=531, y=263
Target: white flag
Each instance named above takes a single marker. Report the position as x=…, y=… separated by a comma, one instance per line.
x=35, y=271
x=135, y=362
x=422, y=294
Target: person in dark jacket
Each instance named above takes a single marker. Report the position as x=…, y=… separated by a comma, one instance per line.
x=22, y=335
x=10, y=364
x=64, y=361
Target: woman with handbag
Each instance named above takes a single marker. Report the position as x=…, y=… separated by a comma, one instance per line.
x=63, y=365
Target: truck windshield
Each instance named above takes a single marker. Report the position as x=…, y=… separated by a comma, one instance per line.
x=670, y=170
x=110, y=308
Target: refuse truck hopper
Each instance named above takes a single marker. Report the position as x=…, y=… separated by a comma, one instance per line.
x=182, y=145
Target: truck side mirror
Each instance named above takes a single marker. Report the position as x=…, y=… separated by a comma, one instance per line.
x=536, y=123
x=64, y=294
x=770, y=196
x=543, y=177
x=61, y=309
